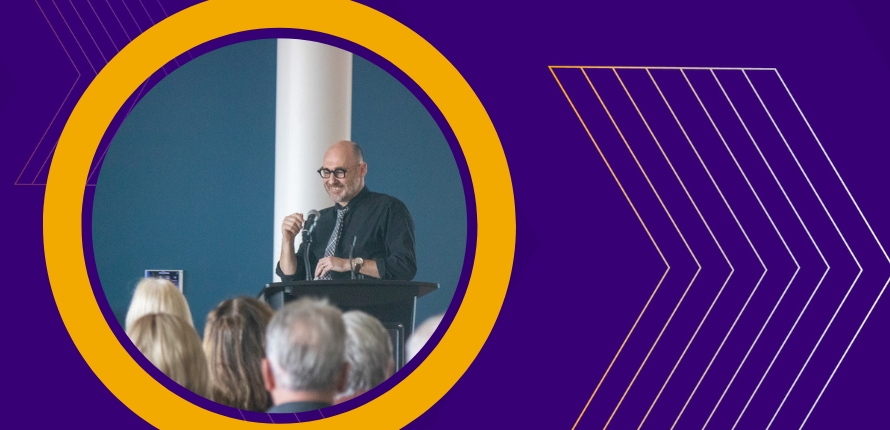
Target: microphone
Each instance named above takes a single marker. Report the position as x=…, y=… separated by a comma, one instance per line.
x=311, y=219
x=309, y=225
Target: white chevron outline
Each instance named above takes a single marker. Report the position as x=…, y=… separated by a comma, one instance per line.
x=132, y=16
x=56, y=115
x=710, y=231
x=735, y=218
x=828, y=268
x=680, y=233
x=76, y=12
x=834, y=224
x=809, y=235
x=844, y=355
x=663, y=67
x=118, y=21
x=648, y=233
x=778, y=302
x=49, y=155
x=96, y=14
x=73, y=35
x=750, y=296
x=880, y=245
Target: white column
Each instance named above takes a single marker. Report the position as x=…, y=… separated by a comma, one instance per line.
x=313, y=109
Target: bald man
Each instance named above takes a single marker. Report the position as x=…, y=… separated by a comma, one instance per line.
x=381, y=225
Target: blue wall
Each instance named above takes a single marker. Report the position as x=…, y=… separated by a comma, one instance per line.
x=187, y=182
x=409, y=158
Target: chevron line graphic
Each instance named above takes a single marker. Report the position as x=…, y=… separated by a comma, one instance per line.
x=88, y=32
x=748, y=300
x=809, y=235
x=679, y=232
x=31, y=163
x=871, y=231
x=18, y=180
x=808, y=240
x=648, y=233
x=710, y=231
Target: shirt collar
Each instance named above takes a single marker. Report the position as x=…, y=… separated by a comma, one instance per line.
x=355, y=200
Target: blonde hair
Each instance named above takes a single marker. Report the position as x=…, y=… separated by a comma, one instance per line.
x=154, y=295
x=173, y=346
x=234, y=344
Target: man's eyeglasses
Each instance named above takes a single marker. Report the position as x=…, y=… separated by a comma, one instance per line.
x=338, y=173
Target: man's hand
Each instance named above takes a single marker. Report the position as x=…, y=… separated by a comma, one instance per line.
x=291, y=226
x=328, y=264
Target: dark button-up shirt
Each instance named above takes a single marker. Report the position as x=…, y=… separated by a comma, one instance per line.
x=383, y=232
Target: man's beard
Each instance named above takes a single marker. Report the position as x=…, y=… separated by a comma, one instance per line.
x=338, y=192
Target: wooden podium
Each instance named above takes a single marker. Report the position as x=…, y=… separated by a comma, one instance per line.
x=392, y=302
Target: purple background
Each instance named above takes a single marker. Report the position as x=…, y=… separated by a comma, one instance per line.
x=584, y=266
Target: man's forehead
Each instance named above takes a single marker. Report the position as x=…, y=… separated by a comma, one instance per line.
x=338, y=156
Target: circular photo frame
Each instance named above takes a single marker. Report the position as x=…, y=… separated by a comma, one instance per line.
x=63, y=206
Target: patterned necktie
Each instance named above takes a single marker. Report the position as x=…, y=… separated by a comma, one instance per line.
x=335, y=238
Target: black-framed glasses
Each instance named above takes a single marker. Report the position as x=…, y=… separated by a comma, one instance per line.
x=339, y=172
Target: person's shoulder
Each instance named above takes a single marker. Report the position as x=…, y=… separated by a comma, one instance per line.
x=385, y=199
x=380, y=196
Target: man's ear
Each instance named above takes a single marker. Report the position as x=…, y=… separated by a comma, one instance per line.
x=364, y=169
x=268, y=378
x=390, y=368
x=344, y=377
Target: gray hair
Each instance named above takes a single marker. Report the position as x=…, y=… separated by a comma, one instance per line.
x=305, y=341
x=368, y=351
x=421, y=335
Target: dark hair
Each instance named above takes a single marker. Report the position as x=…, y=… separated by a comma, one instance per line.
x=234, y=343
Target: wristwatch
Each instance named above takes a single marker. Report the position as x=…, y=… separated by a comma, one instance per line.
x=357, y=264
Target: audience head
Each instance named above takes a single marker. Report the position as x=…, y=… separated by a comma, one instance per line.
x=173, y=346
x=304, y=360
x=234, y=344
x=155, y=295
x=368, y=352
x=421, y=335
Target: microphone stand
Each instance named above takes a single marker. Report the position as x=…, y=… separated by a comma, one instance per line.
x=312, y=221
x=351, y=265
x=308, y=239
